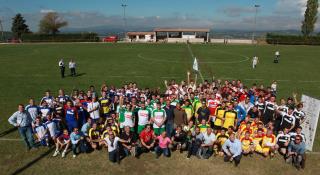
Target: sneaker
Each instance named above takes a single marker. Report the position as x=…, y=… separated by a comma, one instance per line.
x=55, y=153
x=63, y=154
x=74, y=156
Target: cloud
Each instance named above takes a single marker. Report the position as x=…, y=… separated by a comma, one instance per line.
x=237, y=11
x=46, y=10
x=237, y=20
x=291, y=7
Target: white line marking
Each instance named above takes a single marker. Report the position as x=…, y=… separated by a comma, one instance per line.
x=309, y=81
x=7, y=139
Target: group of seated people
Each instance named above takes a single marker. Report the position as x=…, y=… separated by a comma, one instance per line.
x=215, y=118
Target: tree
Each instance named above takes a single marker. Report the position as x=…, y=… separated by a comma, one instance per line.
x=19, y=26
x=310, y=17
x=51, y=23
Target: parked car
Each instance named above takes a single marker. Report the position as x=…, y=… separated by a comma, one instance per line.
x=110, y=39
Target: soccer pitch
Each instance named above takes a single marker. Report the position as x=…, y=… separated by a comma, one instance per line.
x=27, y=70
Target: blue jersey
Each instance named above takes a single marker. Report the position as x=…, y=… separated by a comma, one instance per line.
x=45, y=110
x=71, y=114
x=49, y=100
x=40, y=131
x=33, y=110
x=52, y=128
x=241, y=114
x=63, y=99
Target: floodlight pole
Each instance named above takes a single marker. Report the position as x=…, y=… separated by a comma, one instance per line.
x=255, y=24
x=124, y=19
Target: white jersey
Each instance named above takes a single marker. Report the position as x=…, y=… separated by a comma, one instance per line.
x=72, y=65
x=50, y=100
x=41, y=131
x=128, y=119
x=277, y=53
x=94, y=114
x=61, y=63
x=52, y=128
x=158, y=116
x=143, y=116
x=255, y=60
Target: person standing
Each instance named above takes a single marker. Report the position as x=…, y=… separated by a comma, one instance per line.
x=62, y=68
x=255, y=61
x=169, y=109
x=71, y=116
x=158, y=118
x=72, y=67
x=277, y=57
x=33, y=109
x=93, y=109
x=22, y=120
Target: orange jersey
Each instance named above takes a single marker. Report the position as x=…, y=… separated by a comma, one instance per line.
x=269, y=140
x=246, y=142
x=257, y=139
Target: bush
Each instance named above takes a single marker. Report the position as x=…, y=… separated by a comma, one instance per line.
x=68, y=37
x=292, y=39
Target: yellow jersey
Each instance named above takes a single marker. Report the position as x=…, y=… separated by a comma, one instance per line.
x=230, y=118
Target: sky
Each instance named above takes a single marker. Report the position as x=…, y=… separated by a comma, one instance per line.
x=215, y=14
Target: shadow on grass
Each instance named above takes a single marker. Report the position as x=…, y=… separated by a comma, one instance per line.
x=8, y=131
x=77, y=75
x=20, y=170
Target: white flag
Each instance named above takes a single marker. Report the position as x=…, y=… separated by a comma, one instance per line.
x=311, y=107
x=195, y=64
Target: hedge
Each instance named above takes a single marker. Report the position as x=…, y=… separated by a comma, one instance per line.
x=292, y=39
x=67, y=37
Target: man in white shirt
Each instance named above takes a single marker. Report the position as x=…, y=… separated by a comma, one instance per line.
x=62, y=68
x=112, y=142
x=255, y=61
x=277, y=57
x=72, y=67
x=232, y=149
x=93, y=109
x=207, y=146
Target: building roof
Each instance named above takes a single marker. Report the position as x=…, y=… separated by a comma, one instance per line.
x=140, y=33
x=181, y=30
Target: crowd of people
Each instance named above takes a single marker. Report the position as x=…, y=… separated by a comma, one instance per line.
x=216, y=118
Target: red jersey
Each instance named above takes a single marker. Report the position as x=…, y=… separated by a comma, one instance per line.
x=213, y=105
x=146, y=136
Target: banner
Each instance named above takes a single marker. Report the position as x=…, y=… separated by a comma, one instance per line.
x=195, y=64
x=311, y=107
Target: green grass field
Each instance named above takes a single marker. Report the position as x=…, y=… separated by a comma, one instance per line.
x=28, y=70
